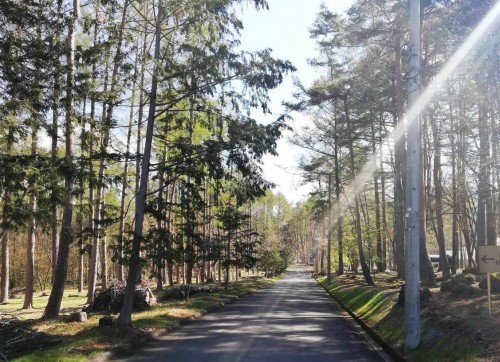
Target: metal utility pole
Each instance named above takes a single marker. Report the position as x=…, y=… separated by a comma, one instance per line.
x=329, y=245
x=413, y=186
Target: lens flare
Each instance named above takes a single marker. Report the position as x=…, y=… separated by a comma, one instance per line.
x=365, y=175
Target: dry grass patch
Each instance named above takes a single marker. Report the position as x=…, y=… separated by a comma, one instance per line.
x=83, y=341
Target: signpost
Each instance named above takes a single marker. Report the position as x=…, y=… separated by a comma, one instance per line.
x=489, y=259
x=489, y=262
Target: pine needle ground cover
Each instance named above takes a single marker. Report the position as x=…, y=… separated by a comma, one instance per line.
x=84, y=341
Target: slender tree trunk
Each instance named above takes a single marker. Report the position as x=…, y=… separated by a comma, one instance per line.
x=385, y=231
x=140, y=112
x=104, y=262
x=359, y=238
x=228, y=260
x=322, y=259
x=66, y=238
x=105, y=135
x=125, y=185
x=399, y=165
x=159, y=221
x=99, y=200
x=81, y=229
x=81, y=249
x=340, y=219
x=4, y=292
x=455, y=212
x=483, y=188
x=438, y=200
x=170, y=260
x=378, y=224
x=125, y=317
x=30, y=247
x=426, y=271
x=5, y=236
x=54, y=133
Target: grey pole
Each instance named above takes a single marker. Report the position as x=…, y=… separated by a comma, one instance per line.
x=413, y=189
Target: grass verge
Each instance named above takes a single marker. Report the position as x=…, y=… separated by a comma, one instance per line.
x=378, y=309
x=84, y=341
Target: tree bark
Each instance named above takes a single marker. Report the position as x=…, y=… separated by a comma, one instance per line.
x=5, y=236
x=125, y=184
x=54, y=134
x=399, y=165
x=66, y=238
x=125, y=317
x=384, y=213
x=30, y=247
x=438, y=201
x=359, y=237
x=340, y=219
x=378, y=224
x=97, y=215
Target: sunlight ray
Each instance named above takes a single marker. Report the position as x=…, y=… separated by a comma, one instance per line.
x=364, y=176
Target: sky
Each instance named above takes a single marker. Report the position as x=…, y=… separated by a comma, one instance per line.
x=284, y=29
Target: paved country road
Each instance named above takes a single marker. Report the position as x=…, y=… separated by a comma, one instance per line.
x=293, y=320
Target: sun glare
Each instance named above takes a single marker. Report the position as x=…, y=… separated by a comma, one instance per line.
x=355, y=187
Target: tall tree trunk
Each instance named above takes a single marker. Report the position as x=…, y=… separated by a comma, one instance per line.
x=81, y=243
x=484, y=191
x=378, y=223
x=399, y=165
x=228, y=266
x=359, y=237
x=99, y=200
x=107, y=117
x=454, y=199
x=30, y=247
x=462, y=151
x=54, y=135
x=159, y=222
x=134, y=273
x=104, y=262
x=385, y=230
x=125, y=185
x=427, y=276
x=5, y=272
x=340, y=219
x=66, y=238
x=170, y=260
x=81, y=228
x=140, y=113
x=438, y=200
x=5, y=236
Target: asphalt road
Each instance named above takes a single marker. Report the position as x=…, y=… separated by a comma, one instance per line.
x=293, y=320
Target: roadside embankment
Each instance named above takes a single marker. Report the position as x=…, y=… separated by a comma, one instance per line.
x=444, y=336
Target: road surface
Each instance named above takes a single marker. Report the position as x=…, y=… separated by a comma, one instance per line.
x=293, y=320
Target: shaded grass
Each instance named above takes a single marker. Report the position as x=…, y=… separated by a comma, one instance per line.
x=84, y=341
x=378, y=308
x=72, y=300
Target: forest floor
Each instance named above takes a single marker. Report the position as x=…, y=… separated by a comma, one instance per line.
x=86, y=340
x=452, y=328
